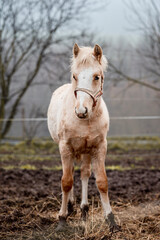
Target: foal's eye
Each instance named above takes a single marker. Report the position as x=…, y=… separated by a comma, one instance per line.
x=96, y=78
x=74, y=77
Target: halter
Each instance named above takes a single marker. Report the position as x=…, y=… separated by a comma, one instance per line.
x=94, y=96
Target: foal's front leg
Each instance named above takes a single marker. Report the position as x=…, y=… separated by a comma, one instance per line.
x=66, y=182
x=102, y=183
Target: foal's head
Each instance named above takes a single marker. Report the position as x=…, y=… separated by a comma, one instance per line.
x=88, y=65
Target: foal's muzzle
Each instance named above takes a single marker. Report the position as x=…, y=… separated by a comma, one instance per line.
x=82, y=115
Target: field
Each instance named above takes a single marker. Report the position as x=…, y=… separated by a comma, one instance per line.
x=30, y=192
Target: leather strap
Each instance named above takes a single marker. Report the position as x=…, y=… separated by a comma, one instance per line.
x=93, y=95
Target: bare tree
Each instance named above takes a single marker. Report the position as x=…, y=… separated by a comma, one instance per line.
x=62, y=60
x=144, y=16
x=30, y=32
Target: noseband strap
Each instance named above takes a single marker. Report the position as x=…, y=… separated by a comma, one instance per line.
x=93, y=95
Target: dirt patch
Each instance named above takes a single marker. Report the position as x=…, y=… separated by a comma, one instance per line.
x=43, y=183
x=135, y=159
x=130, y=160
x=30, y=200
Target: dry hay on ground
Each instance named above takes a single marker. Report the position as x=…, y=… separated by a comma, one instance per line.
x=30, y=200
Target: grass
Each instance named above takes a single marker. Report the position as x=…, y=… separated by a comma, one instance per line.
x=137, y=138
x=28, y=167
x=126, y=144
x=59, y=167
x=27, y=157
x=123, y=154
x=9, y=167
x=114, y=144
x=35, y=147
x=122, y=147
x=117, y=167
x=138, y=158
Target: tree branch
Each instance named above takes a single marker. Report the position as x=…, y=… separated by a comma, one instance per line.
x=130, y=79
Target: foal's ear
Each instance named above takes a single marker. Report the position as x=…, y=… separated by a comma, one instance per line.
x=98, y=52
x=75, y=50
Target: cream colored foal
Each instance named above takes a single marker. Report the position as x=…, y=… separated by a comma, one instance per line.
x=78, y=121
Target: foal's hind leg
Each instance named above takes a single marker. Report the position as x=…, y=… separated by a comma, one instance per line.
x=102, y=184
x=71, y=198
x=85, y=174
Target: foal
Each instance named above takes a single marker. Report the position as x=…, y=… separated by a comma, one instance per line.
x=78, y=121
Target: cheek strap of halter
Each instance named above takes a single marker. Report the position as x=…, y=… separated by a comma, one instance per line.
x=94, y=96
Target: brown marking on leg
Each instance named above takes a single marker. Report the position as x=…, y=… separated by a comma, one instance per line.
x=67, y=182
x=102, y=183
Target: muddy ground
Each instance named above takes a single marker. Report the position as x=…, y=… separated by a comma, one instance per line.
x=30, y=196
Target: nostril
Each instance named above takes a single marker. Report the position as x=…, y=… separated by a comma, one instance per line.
x=86, y=111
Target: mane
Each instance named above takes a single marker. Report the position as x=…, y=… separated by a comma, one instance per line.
x=86, y=58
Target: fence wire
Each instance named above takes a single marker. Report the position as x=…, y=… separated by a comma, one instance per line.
x=114, y=118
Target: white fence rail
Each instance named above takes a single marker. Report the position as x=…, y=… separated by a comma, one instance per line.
x=119, y=126
x=114, y=118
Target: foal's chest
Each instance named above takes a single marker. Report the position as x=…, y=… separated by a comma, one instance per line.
x=85, y=144
x=83, y=138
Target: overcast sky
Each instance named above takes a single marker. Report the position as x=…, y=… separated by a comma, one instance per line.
x=112, y=22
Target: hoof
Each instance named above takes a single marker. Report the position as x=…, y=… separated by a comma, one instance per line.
x=70, y=208
x=113, y=227
x=62, y=225
x=84, y=212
